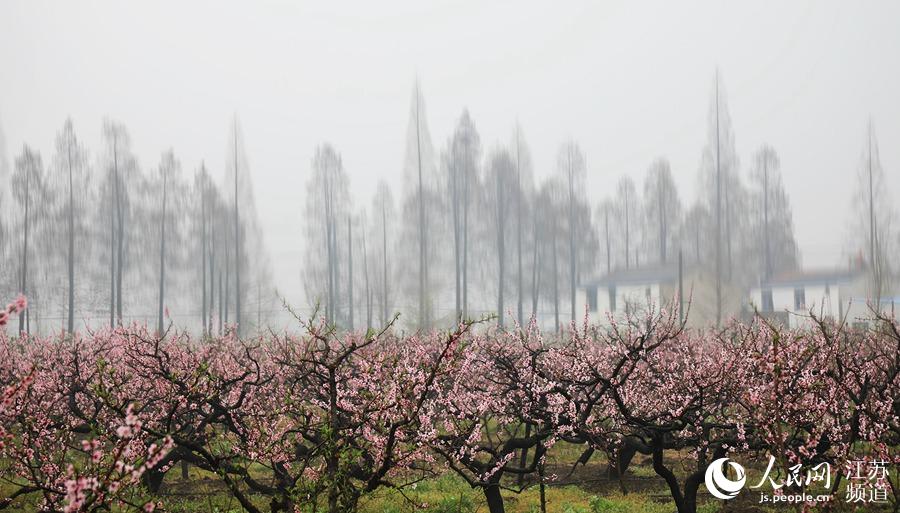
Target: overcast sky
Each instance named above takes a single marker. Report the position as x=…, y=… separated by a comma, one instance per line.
x=629, y=81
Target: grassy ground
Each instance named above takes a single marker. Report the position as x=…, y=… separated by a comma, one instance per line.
x=450, y=494
x=587, y=489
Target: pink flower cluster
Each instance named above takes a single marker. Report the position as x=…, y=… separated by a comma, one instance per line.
x=16, y=307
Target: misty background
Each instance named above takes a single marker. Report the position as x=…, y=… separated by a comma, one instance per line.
x=628, y=83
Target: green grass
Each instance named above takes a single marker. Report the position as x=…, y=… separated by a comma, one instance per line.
x=450, y=494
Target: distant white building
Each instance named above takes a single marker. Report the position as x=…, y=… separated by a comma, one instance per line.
x=625, y=290
x=827, y=293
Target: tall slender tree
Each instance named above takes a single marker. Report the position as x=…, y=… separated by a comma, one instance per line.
x=571, y=171
x=876, y=218
x=606, y=218
x=661, y=205
x=121, y=169
x=70, y=163
x=501, y=201
x=350, y=323
x=29, y=189
x=461, y=163
x=627, y=208
x=327, y=204
x=166, y=203
x=383, y=217
x=523, y=187
x=420, y=198
x=718, y=171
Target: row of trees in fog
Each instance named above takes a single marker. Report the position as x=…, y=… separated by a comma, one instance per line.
x=474, y=232
x=101, y=239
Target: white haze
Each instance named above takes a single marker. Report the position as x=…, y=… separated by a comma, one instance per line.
x=629, y=81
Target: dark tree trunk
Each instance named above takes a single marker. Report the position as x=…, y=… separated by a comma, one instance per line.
x=153, y=479
x=493, y=497
x=523, y=458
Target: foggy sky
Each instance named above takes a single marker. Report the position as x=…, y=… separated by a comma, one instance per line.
x=630, y=82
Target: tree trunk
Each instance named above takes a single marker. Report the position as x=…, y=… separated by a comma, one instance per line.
x=523, y=458
x=555, y=284
x=501, y=249
x=535, y=275
x=349, y=274
x=330, y=252
x=662, y=220
x=237, y=243
x=120, y=236
x=686, y=500
x=221, y=302
x=366, y=276
x=608, y=255
x=71, y=257
x=153, y=479
x=113, y=247
x=162, y=258
x=204, y=302
x=457, y=250
x=112, y=267
x=465, y=237
x=227, y=285
x=519, y=228
x=627, y=233
x=573, y=256
x=728, y=267
x=24, y=287
x=542, y=486
x=768, y=267
x=384, y=262
x=718, y=216
x=212, y=277
x=493, y=496
x=423, y=269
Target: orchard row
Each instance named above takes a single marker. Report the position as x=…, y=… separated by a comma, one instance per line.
x=318, y=420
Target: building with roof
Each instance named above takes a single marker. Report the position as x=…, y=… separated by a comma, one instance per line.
x=626, y=290
x=827, y=293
